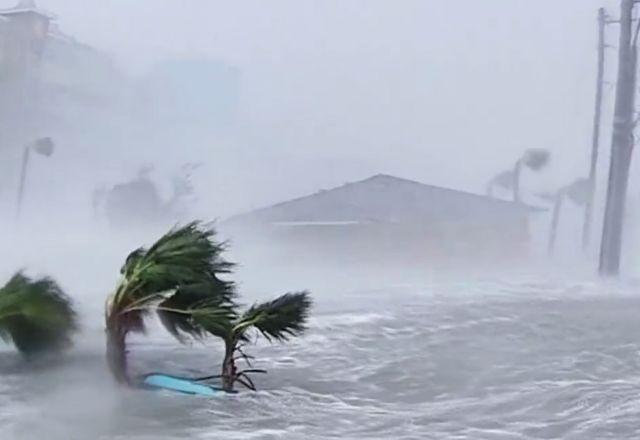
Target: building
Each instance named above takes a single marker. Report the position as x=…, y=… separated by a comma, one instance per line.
x=23, y=32
x=53, y=85
x=384, y=220
x=48, y=80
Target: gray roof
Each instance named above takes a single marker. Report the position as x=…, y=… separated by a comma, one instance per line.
x=383, y=198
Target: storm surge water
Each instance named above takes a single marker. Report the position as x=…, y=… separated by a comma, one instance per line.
x=483, y=360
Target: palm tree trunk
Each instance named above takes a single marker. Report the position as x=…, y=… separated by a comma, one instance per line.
x=517, y=170
x=117, y=354
x=555, y=219
x=229, y=370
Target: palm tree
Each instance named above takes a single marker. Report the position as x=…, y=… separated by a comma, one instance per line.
x=277, y=320
x=534, y=158
x=578, y=192
x=36, y=315
x=503, y=180
x=178, y=278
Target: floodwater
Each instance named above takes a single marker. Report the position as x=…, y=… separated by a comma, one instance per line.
x=484, y=360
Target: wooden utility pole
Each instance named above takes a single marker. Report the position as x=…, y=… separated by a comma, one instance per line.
x=621, y=145
x=595, y=139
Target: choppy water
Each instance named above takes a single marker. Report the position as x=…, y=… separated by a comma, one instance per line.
x=451, y=361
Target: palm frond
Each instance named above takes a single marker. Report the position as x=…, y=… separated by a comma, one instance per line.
x=36, y=315
x=504, y=179
x=184, y=256
x=191, y=244
x=196, y=309
x=278, y=319
x=579, y=191
x=536, y=158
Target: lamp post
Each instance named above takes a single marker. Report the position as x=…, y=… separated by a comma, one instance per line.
x=43, y=146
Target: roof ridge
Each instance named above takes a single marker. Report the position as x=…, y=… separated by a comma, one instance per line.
x=373, y=179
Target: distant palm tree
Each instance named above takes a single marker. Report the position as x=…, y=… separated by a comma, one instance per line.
x=534, y=158
x=178, y=277
x=36, y=315
x=578, y=192
x=138, y=202
x=503, y=180
x=277, y=320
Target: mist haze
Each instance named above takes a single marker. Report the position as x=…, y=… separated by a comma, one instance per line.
x=335, y=92
x=346, y=147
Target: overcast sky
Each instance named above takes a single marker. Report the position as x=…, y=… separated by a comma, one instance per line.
x=445, y=92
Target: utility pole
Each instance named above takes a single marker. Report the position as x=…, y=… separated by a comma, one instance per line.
x=621, y=145
x=595, y=140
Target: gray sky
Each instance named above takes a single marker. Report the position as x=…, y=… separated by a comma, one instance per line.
x=446, y=92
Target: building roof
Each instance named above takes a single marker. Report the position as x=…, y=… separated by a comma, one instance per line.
x=26, y=6
x=382, y=198
x=57, y=34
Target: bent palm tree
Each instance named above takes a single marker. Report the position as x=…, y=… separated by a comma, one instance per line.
x=534, y=158
x=578, y=192
x=36, y=315
x=182, y=265
x=277, y=320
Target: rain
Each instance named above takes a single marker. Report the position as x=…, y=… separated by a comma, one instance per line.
x=306, y=219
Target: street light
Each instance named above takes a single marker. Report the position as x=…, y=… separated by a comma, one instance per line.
x=43, y=146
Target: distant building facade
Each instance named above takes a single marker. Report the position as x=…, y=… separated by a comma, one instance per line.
x=382, y=220
x=55, y=86
x=48, y=80
x=23, y=31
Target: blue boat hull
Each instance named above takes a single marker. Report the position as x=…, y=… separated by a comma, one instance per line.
x=179, y=384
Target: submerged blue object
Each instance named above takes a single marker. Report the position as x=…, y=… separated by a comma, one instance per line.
x=179, y=384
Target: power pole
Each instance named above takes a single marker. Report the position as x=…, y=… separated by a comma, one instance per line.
x=595, y=139
x=621, y=145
